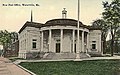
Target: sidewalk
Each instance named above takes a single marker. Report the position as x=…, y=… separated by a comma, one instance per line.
x=8, y=68
x=90, y=58
x=99, y=58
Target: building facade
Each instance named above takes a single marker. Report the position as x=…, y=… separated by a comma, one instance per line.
x=58, y=36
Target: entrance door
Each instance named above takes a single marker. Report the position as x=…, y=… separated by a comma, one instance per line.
x=75, y=48
x=57, y=47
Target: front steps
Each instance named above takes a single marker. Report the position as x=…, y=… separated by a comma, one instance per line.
x=57, y=56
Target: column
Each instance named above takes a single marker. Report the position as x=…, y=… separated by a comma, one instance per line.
x=61, y=39
x=78, y=41
x=87, y=42
x=83, y=41
x=73, y=40
x=42, y=41
x=49, y=40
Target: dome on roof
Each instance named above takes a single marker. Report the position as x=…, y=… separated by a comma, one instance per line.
x=62, y=22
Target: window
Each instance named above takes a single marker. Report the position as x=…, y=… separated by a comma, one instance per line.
x=34, y=44
x=93, y=46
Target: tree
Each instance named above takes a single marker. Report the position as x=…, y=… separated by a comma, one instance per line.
x=104, y=29
x=4, y=39
x=117, y=41
x=111, y=15
x=14, y=37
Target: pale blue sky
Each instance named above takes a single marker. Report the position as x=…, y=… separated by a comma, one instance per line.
x=12, y=18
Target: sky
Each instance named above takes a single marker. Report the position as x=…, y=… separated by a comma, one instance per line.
x=13, y=17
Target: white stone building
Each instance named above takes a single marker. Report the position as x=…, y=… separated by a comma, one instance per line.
x=58, y=36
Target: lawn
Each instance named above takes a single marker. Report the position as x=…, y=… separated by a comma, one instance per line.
x=14, y=59
x=96, y=67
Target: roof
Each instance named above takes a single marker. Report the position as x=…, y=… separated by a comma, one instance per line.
x=62, y=22
x=93, y=28
x=30, y=24
x=56, y=22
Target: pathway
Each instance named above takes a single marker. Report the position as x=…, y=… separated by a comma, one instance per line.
x=90, y=58
x=8, y=68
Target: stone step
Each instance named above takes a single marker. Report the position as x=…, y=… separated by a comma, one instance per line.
x=60, y=56
x=55, y=56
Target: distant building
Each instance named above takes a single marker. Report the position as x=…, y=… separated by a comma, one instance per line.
x=58, y=36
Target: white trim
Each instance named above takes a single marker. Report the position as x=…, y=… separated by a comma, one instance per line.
x=64, y=27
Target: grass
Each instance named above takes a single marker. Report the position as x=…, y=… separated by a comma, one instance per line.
x=96, y=67
x=14, y=59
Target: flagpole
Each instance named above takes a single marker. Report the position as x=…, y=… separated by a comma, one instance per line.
x=78, y=54
x=78, y=27
x=31, y=16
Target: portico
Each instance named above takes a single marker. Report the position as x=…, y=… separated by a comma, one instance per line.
x=64, y=40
